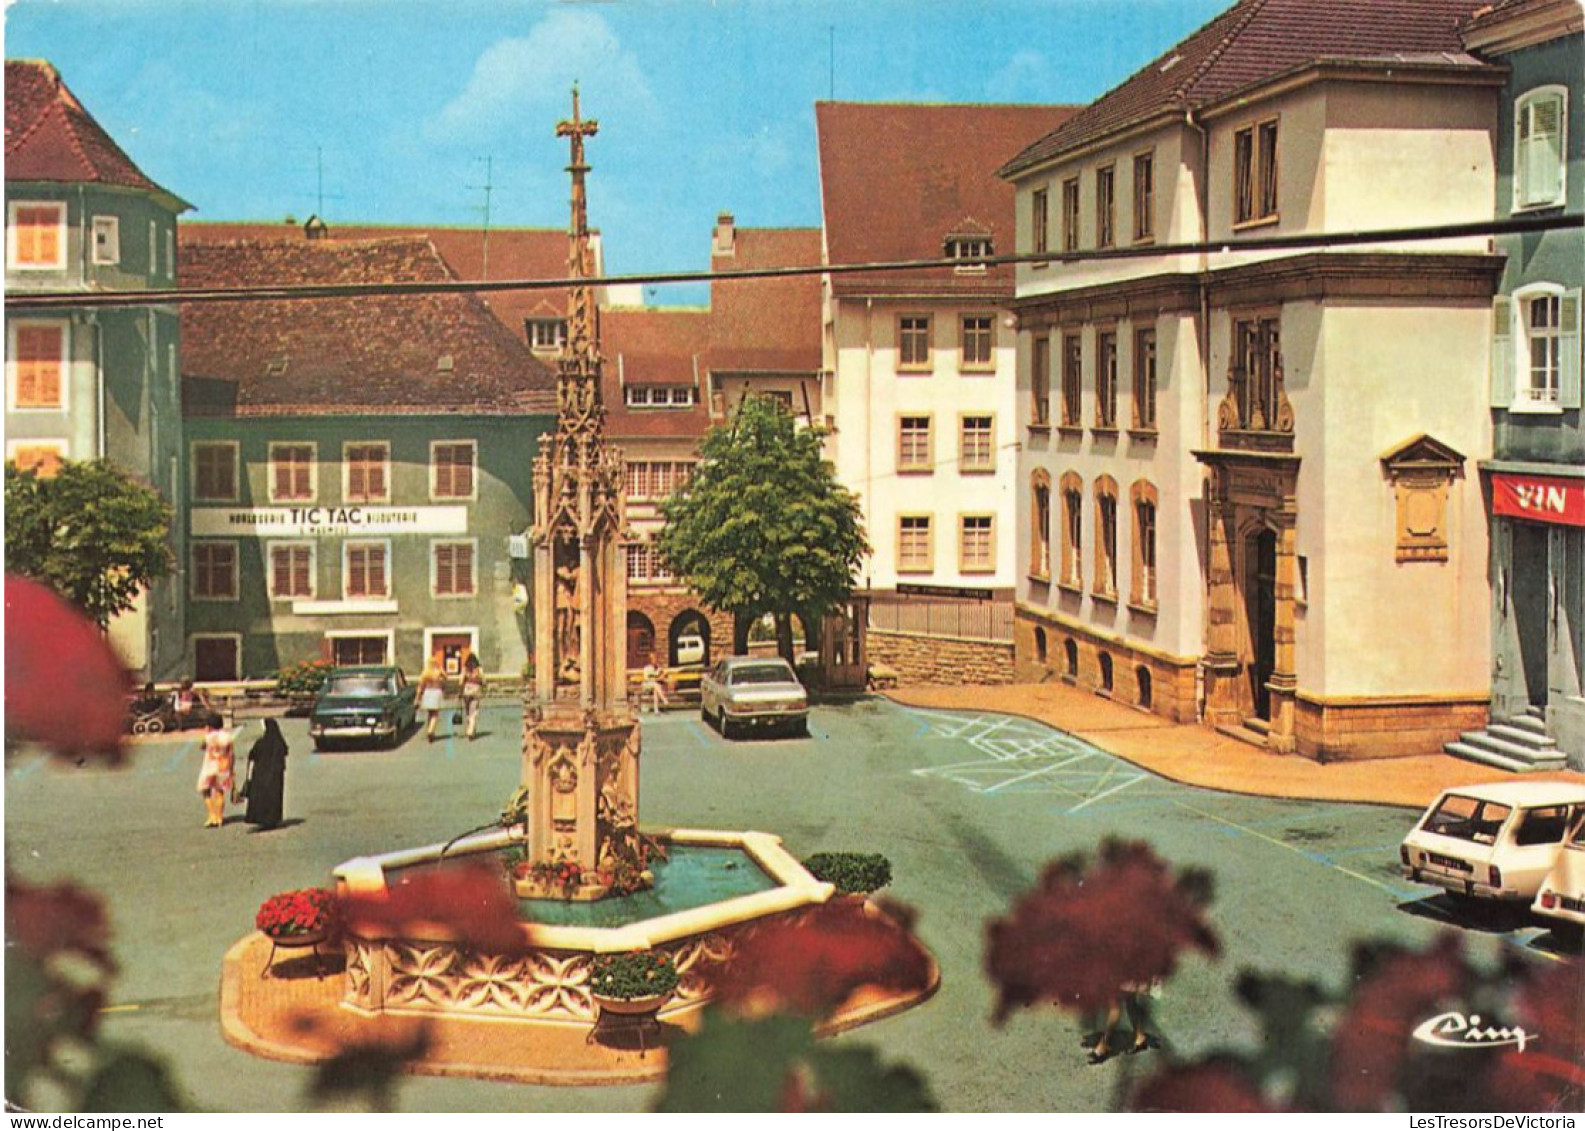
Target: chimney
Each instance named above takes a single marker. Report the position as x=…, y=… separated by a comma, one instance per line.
x=725, y=236
x=315, y=229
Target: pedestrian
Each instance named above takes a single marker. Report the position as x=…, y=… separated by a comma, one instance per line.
x=472, y=692
x=431, y=690
x=1128, y=1001
x=265, y=784
x=217, y=774
x=191, y=705
x=652, y=695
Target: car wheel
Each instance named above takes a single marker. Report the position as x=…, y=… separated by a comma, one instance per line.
x=729, y=729
x=801, y=728
x=704, y=716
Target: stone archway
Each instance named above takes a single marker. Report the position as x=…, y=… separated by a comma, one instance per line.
x=687, y=624
x=640, y=640
x=1250, y=677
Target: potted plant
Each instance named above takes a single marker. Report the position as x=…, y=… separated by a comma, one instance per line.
x=851, y=873
x=633, y=981
x=299, y=684
x=297, y=918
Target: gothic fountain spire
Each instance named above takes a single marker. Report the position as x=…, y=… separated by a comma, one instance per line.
x=580, y=741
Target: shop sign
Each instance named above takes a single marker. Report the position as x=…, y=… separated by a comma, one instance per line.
x=325, y=521
x=1539, y=498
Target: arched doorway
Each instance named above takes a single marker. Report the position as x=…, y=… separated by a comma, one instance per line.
x=640, y=640
x=688, y=641
x=1260, y=604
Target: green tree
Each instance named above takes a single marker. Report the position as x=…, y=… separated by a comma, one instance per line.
x=763, y=526
x=90, y=532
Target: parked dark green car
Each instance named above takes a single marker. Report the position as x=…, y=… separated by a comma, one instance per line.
x=373, y=702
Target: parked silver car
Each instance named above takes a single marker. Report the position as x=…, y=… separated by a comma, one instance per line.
x=747, y=691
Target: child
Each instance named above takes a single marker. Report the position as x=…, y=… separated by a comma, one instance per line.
x=217, y=774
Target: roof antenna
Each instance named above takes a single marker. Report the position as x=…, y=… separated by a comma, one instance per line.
x=488, y=187
x=831, y=59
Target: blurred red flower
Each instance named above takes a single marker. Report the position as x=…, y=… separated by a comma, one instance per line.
x=469, y=903
x=1371, y=1041
x=1210, y=1085
x=64, y=687
x=811, y=964
x=1085, y=935
x=1549, y=1075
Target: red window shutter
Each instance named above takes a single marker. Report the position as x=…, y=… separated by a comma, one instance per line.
x=444, y=579
x=302, y=583
x=377, y=572
x=463, y=569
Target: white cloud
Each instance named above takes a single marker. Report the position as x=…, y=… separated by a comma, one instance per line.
x=1024, y=77
x=532, y=76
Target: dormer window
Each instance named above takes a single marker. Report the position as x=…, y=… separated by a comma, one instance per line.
x=546, y=335
x=659, y=396
x=968, y=245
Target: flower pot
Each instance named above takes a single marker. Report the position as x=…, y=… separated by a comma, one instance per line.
x=308, y=938
x=630, y=1006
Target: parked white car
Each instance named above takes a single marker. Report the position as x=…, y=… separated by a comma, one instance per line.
x=745, y=691
x=690, y=649
x=1495, y=841
x=1562, y=895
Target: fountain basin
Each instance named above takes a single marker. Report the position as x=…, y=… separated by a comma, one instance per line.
x=548, y=980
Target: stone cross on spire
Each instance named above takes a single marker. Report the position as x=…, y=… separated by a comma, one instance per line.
x=582, y=334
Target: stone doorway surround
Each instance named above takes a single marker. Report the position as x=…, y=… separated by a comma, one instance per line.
x=1250, y=492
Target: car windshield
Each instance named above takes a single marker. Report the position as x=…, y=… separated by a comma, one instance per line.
x=760, y=673
x=358, y=685
x=1467, y=818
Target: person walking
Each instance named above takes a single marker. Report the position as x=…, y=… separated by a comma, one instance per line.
x=431, y=691
x=472, y=692
x=217, y=774
x=265, y=783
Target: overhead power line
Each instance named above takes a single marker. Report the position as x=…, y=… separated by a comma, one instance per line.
x=46, y=300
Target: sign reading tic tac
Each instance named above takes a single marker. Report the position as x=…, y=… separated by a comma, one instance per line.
x=325, y=521
x=1539, y=498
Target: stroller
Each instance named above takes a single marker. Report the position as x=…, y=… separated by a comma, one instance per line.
x=149, y=712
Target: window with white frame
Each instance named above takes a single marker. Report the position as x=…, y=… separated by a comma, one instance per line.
x=1105, y=206
x=367, y=468
x=37, y=368
x=1539, y=156
x=968, y=247
x=1040, y=381
x=977, y=336
x=656, y=479
x=1072, y=488
x=915, y=550
x=1536, y=349
x=1070, y=214
x=977, y=442
x=1039, y=221
x=977, y=543
x=1144, y=196
x=1106, y=538
x=1142, y=590
x=913, y=341
x=913, y=444
x=451, y=469
x=1072, y=379
x=1106, y=380
x=546, y=335
x=38, y=236
x=364, y=572
x=215, y=471
x=644, y=563
x=42, y=457
x=451, y=569
x=291, y=473
x=658, y=396
x=1040, y=525
x=214, y=571
x=291, y=570
x=1145, y=379
x=107, y=241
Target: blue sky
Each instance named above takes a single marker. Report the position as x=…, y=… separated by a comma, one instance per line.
x=403, y=110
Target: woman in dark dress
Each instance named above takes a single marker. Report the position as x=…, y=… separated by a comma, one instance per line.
x=266, y=781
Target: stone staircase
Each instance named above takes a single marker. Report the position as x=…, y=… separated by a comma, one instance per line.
x=1520, y=743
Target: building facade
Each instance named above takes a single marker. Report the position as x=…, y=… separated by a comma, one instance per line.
x=1536, y=475
x=920, y=392
x=96, y=383
x=1247, y=483
x=358, y=469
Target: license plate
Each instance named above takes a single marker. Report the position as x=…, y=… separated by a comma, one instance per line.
x=1448, y=862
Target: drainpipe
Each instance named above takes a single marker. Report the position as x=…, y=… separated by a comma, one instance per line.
x=869, y=407
x=1203, y=348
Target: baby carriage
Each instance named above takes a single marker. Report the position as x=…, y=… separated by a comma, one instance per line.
x=150, y=713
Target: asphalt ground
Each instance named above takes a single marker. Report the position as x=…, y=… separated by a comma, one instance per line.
x=968, y=807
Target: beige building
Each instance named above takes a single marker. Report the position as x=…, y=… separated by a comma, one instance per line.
x=922, y=362
x=1247, y=483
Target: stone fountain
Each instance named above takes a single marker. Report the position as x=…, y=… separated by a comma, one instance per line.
x=581, y=745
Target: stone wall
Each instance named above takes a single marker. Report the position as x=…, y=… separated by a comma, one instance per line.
x=1342, y=730
x=942, y=659
x=1049, y=647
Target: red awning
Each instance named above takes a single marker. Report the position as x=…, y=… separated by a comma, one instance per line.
x=1539, y=498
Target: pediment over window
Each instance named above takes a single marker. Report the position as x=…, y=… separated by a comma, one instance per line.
x=1421, y=471
x=1423, y=453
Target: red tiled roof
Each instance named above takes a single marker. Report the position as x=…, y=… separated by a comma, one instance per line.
x=645, y=346
x=896, y=179
x=1255, y=41
x=515, y=253
x=771, y=324
x=50, y=136
x=375, y=353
